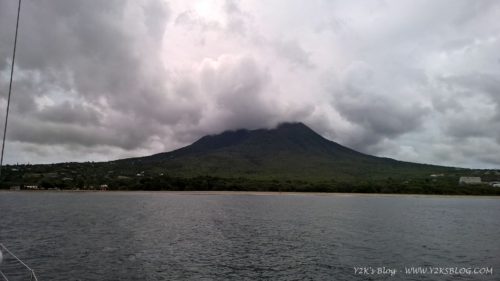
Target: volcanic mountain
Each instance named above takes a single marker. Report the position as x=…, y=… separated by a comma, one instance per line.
x=290, y=151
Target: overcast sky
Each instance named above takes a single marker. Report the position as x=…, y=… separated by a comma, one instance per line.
x=100, y=80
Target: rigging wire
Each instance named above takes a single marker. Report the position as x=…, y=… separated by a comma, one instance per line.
x=10, y=87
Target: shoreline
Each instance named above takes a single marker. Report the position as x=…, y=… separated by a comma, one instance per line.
x=255, y=193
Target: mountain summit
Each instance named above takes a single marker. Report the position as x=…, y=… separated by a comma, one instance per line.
x=290, y=157
x=290, y=151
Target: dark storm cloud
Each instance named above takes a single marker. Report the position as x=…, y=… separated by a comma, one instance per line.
x=414, y=80
x=126, y=133
x=88, y=53
x=69, y=113
x=237, y=85
x=484, y=123
x=465, y=126
x=361, y=101
x=92, y=75
x=380, y=118
x=477, y=83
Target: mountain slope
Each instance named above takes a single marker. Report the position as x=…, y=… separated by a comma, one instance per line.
x=290, y=151
x=290, y=157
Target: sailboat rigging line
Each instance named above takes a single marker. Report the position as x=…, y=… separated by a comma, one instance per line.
x=32, y=276
x=3, y=276
x=10, y=86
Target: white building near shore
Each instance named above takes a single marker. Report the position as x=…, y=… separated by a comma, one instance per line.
x=469, y=180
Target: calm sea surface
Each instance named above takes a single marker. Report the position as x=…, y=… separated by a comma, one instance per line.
x=180, y=236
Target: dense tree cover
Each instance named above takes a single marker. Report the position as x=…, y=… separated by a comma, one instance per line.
x=444, y=185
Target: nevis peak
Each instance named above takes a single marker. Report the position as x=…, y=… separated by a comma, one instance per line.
x=289, y=151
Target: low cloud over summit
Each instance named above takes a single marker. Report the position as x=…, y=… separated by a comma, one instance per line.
x=413, y=80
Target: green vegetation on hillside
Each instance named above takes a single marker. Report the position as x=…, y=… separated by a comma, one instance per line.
x=291, y=157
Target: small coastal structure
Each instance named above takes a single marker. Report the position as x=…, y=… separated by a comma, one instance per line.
x=469, y=180
x=103, y=187
x=15, y=188
x=32, y=187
